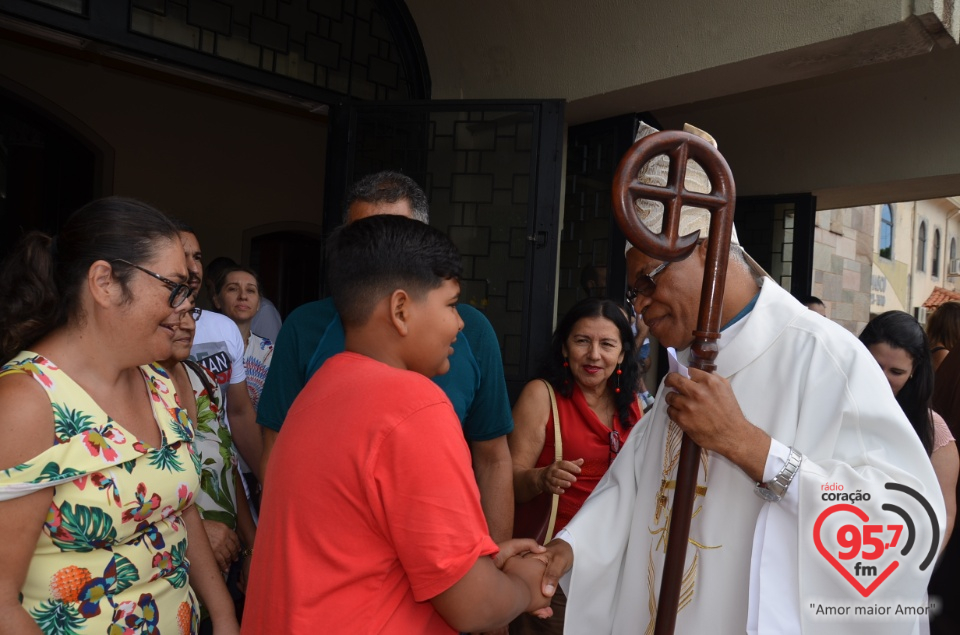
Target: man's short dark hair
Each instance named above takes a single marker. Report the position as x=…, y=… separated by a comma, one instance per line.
x=389, y=187
x=371, y=258
x=807, y=300
x=182, y=226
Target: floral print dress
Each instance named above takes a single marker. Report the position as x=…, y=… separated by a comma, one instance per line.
x=217, y=497
x=256, y=362
x=111, y=557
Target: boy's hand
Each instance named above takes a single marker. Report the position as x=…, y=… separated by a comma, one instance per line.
x=516, y=547
x=530, y=571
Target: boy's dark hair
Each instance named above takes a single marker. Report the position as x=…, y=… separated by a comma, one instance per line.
x=371, y=258
x=389, y=187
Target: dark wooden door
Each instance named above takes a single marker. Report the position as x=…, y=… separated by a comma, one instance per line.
x=289, y=265
x=46, y=172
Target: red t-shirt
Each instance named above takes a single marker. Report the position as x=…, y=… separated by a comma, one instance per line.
x=584, y=437
x=370, y=508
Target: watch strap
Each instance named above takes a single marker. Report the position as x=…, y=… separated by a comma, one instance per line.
x=775, y=489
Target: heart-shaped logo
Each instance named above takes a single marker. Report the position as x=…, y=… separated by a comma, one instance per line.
x=852, y=538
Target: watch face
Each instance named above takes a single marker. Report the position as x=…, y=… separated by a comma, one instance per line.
x=766, y=493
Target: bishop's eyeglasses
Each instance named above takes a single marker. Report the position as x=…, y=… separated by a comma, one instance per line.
x=646, y=284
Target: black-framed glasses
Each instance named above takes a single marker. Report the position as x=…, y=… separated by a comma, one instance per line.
x=615, y=444
x=194, y=313
x=178, y=290
x=645, y=284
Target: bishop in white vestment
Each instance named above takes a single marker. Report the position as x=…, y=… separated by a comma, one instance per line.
x=790, y=386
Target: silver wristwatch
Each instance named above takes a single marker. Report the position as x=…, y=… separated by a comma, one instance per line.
x=774, y=489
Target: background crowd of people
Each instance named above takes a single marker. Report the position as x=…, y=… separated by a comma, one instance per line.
x=139, y=428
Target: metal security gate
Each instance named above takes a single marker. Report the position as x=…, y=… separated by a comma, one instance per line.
x=491, y=171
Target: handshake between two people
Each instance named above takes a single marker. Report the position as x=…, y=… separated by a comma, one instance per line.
x=538, y=567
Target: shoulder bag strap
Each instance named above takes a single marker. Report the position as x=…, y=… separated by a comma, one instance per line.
x=557, y=455
x=200, y=372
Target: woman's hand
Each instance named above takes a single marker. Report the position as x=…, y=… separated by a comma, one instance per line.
x=558, y=476
x=224, y=542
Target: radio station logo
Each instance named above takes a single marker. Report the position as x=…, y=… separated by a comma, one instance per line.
x=866, y=550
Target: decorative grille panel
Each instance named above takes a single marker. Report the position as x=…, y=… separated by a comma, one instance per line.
x=344, y=46
x=78, y=7
x=475, y=167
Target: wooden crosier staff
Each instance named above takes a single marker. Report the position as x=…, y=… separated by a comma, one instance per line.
x=668, y=245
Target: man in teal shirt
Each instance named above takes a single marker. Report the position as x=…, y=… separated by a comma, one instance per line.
x=475, y=383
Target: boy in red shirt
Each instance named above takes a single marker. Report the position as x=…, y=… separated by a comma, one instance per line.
x=375, y=525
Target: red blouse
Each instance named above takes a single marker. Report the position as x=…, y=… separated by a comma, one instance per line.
x=584, y=437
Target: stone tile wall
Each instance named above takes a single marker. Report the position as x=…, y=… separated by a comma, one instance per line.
x=842, y=264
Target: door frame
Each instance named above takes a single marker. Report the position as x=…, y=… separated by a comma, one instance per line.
x=805, y=218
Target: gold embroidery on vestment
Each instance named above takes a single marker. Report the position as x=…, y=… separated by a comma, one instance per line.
x=651, y=596
x=671, y=456
x=687, y=585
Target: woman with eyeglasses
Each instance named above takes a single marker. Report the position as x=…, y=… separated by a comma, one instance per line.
x=226, y=517
x=593, y=373
x=97, y=470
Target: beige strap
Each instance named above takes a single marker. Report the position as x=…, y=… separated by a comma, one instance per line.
x=557, y=456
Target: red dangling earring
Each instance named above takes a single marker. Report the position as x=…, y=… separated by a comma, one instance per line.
x=619, y=372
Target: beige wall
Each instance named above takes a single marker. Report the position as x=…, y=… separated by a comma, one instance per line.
x=577, y=49
x=885, y=133
x=939, y=215
x=852, y=278
x=218, y=163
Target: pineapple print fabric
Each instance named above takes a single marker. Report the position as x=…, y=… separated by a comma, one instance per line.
x=111, y=557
